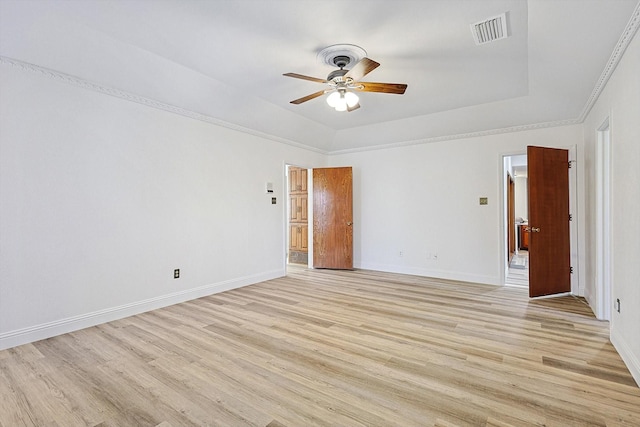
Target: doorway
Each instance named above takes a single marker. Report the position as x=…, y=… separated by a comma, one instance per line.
x=297, y=215
x=515, y=224
x=545, y=161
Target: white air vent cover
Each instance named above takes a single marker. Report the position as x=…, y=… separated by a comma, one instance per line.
x=490, y=30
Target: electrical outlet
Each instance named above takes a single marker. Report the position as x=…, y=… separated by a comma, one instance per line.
x=176, y=273
x=400, y=254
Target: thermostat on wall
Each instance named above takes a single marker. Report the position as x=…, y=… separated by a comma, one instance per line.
x=269, y=187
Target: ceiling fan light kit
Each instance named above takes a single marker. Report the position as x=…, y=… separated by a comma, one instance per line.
x=343, y=81
x=342, y=99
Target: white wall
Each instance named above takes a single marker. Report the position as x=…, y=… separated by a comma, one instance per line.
x=102, y=198
x=521, y=197
x=620, y=102
x=423, y=200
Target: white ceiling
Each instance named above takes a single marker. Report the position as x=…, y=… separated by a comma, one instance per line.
x=225, y=60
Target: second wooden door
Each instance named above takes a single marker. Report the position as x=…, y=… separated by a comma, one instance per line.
x=333, y=218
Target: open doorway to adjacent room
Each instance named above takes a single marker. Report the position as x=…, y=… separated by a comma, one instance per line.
x=516, y=220
x=297, y=216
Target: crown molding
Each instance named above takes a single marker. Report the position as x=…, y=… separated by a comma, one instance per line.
x=626, y=37
x=85, y=84
x=488, y=132
x=624, y=41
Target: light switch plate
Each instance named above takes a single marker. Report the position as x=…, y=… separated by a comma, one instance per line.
x=484, y=200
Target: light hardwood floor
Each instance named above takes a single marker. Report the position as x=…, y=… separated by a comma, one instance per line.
x=331, y=348
x=519, y=275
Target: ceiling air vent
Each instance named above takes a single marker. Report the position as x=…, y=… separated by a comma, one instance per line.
x=490, y=30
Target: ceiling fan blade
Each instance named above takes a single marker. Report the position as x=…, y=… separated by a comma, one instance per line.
x=362, y=68
x=355, y=107
x=308, y=97
x=398, y=88
x=303, y=77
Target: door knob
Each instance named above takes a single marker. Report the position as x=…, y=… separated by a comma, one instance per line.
x=349, y=223
x=535, y=230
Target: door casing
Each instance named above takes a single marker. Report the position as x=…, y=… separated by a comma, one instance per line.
x=603, y=223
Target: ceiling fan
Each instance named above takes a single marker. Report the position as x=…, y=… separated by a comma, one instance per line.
x=343, y=82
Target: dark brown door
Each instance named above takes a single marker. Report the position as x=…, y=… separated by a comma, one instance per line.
x=549, y=249
x=333, y=218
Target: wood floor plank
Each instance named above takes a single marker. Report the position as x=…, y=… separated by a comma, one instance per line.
x=326, y=348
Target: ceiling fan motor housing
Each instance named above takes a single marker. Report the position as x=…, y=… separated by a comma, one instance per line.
x=341, y=61
x=337, y=74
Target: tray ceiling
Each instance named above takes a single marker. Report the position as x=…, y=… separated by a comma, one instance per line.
x=225, y=60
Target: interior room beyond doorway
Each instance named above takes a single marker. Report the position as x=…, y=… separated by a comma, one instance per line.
x=517, y=251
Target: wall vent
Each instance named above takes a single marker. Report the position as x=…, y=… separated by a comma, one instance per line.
x=490, y=29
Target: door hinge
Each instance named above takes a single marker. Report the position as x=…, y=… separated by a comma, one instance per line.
x=571, y=161
x=570, y=217
x=570, y=270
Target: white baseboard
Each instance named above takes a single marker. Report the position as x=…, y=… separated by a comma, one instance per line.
x=70, y=324
x=629, y=359
x=436, y=274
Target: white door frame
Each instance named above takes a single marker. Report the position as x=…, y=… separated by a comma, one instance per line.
x=603, y=222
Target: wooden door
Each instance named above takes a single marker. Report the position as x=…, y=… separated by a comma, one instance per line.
x=333, y=218
x=298, y=226
x=549, y=240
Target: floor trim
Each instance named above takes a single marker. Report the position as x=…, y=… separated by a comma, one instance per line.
x=47, y=330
